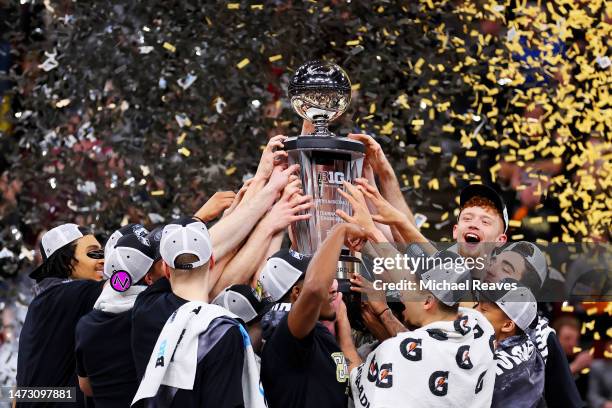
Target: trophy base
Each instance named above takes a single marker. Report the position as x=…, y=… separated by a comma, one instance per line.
x=335, y=144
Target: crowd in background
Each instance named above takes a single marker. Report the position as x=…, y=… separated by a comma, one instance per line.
x=87, y=143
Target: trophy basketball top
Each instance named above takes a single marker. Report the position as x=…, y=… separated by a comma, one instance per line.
x=320, y=92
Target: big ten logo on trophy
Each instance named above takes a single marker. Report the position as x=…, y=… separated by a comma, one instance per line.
x=330, y=177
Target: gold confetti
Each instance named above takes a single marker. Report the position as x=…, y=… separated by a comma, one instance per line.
x=387, y=129
x=181, y=138
x=157, y=192
x=514, y=223
x=275, y=58
x=230, y=170
x=567, y=308
x=169, y=47
x=243, y=63
x=184, y=151
x=233, y=6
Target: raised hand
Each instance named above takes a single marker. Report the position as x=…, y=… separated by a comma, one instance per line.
x=271, y=156
x=238, y=197
x=280, y=178
x=355, y=237
x=215, y=205
x=361, y=215
x=287, y=210
x=386, y=213
x=373, y=323
x=376, y=299
x=374, y=153
x=294, y=186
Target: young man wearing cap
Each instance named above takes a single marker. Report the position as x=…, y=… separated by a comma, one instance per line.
x=133, y=228
x=302, y=365
x=447, y=360
x=525, y=262
x=250, y=306
x=105, y=366
x=519, y=377
x=216, y=376
x=522, y=261
x=65, y=292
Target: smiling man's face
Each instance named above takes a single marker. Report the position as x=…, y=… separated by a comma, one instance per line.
x=477, y=230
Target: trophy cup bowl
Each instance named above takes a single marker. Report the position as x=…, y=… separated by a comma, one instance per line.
x=320, y=92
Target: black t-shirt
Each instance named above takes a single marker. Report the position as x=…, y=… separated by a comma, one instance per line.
x=151, y=310
x=559, y=386
x=46, y=344
x=104, y=355
x=218, y=381
x=308, y=372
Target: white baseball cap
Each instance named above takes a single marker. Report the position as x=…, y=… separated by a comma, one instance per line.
x=518, y=304
x=131, y=254
x=243, y=301
x=53, y=240
x=185, y=236
x=534, y=258
x=282, y=271
x=138, y=229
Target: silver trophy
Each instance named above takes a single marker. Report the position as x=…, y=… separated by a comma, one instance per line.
x=320, y=92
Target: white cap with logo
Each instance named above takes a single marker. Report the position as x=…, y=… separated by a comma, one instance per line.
x=185, y=236
x=131, y=254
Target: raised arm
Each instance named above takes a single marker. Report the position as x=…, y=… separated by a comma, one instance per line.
x=389, y=184
x=376, y=299
x=319, y=277
x=245, y=263
x=215, y=205
x=230, y=231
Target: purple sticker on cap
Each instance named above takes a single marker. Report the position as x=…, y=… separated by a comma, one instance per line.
x=121, y=281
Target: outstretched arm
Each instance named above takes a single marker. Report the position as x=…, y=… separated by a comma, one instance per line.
x=345, y=340
x=230, y=231
x=245, y=263
x=319, y=277
x=389, y=184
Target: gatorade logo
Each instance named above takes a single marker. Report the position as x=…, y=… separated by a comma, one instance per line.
x=463, y=358
x=438, y=383
x=382, y=376
x=411, y=349
x=461, y=325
